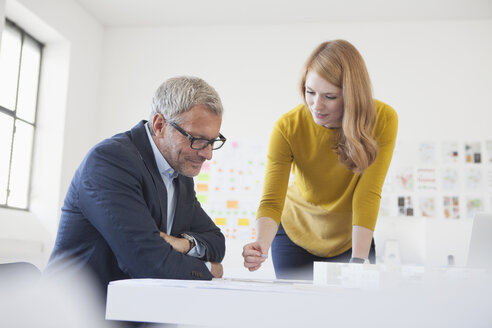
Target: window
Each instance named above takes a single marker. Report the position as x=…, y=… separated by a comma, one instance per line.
x=20, y=59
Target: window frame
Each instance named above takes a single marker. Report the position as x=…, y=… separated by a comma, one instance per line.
x=4, y=203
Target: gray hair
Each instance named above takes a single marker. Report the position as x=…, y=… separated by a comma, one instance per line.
x=179, y=94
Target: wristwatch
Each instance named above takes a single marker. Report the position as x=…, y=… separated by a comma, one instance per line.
x=190, y=239
x=358, y=260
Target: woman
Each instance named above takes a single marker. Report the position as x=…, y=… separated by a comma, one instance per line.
x=339, y=144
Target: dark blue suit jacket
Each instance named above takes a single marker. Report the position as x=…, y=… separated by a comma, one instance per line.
x=113, y=212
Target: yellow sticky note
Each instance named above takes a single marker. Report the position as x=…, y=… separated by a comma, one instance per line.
x=232, y=204
x=243, y=222
x=220, y=221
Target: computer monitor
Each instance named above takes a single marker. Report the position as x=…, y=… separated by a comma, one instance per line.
x=480, y=247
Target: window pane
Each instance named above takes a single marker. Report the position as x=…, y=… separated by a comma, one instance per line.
x=6, y=129
x=28, y=84
x=9, y=66
x=21, y=165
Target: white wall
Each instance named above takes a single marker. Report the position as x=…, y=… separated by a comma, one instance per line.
x=67, y=117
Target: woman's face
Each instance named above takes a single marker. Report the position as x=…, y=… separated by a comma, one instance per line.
x=325, y=101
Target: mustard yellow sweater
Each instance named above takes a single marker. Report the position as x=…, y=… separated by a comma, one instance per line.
x=326, y=199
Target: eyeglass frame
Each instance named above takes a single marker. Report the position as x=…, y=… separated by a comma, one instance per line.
x=192, y=138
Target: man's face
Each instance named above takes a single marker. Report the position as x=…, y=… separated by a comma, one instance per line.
x=199, y=122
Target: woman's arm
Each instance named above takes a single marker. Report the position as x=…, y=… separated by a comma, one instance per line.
x=367, y=195
x=361, y=242
x=255, y=253
x=279, y=162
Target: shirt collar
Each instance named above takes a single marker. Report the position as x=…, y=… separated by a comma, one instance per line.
x=162, y=165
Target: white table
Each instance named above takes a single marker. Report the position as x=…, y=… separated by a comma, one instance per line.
x=437, y=300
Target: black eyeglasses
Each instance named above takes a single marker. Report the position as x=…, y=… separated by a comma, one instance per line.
x=200, y=143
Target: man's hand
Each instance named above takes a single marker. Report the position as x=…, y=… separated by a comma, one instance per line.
x=179, y=244
x=216, y=269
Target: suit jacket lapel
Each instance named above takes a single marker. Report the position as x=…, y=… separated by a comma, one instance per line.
x=141, y=141
x=178, y=189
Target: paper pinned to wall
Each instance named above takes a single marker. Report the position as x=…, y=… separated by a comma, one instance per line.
x=473, y=153
x=450, y=152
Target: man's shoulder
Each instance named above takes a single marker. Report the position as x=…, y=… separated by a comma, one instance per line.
x=122, y=140
x=115, y=144
x=118, y=150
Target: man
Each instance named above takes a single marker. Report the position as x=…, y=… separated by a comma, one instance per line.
x=131, y=210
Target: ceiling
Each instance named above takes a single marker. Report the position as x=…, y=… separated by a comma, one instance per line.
x=113, y=13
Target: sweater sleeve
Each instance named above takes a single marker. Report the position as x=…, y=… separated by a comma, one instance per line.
x=367, y=194
x=279, y=162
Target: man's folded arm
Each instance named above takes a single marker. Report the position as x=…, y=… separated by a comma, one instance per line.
x=111, y=197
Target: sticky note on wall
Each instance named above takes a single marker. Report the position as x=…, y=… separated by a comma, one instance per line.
x=203, y=177
x=202, y=198
x=205, y=166
x=202, y=187
x=232, y=204
x=243, y=222
x=220, y=221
